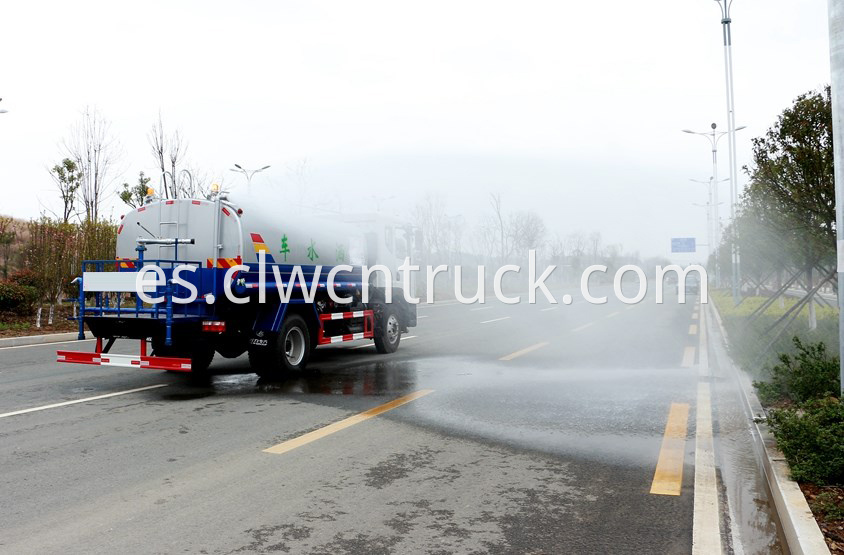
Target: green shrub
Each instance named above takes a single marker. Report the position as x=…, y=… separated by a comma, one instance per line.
x=810, y=373
x=829, y=505
x=812, y=440
x=17, y=297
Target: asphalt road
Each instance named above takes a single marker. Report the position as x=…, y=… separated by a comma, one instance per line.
x=528, y=429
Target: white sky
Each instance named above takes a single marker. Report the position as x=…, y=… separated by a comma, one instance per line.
x=571, y=109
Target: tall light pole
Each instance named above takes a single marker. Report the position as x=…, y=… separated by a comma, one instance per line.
x=714, y=224
x=725, y=6
x=836, y=58
x=714, y=136
x=248, y=173
x=711, y=223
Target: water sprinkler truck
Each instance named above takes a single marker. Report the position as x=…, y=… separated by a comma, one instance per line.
x=221, y=240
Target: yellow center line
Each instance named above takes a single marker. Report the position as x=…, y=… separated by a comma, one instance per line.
x=304, y=439
x=693, y=329
x=668, y=477
x=524, y=351
x=688, y=357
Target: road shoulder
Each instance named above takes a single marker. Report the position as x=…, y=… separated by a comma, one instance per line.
x=800, y=530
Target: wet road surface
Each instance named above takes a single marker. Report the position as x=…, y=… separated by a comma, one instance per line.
x=519, y=429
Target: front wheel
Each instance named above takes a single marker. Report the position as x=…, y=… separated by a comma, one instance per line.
x=387, y=331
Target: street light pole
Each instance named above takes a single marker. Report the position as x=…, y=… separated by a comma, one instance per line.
x=711, y=207
x=714, y=136
x=725, y=6
x=836, y=58
x=248, y=173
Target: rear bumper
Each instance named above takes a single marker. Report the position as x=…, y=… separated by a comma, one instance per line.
x=173, y=364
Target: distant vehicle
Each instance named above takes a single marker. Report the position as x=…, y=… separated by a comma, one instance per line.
x=227, y=231
x=692, y=285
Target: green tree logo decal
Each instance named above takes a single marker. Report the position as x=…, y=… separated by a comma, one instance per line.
x=284, y=248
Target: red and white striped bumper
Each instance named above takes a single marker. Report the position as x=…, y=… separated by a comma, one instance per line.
x=126, y=361
x=367, y=333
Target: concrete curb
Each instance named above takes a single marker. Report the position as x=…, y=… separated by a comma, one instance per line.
x=40, y=339
x=800, y=529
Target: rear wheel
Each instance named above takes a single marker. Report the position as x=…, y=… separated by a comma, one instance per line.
x=199, y=352
x=387, y=331
x=288, y=352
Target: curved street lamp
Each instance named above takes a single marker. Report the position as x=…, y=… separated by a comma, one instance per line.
x=713, y=137
x=248, y=173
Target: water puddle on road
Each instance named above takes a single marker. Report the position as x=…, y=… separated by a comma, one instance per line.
x=754, y=526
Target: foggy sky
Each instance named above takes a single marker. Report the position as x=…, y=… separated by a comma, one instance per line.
x=573, y=110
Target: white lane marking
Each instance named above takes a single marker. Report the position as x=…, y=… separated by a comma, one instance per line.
x=85, y=400
x=431, y=305
x=688, y=357
x=706, y=531
x=403, y=338
x=706, y=534
x=47, y=344
x=495, y=320
x=423, y=316
x=583, y=327
x=479, y=308
x=549, y=308
x=703, y=362
x=613, y=314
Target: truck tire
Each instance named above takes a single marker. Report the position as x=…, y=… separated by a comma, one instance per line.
x=293, y=345
x=288, y=352
x=261, y=361
x=201, y=355
x=199, y=352
x=387, y=330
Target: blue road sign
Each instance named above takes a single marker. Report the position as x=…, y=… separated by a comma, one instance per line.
x=682, y=244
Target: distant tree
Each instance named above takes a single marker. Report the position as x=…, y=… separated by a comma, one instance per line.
x=169, y=152
x=7, y=239
x=96, y=152
x=526, y=231
x=133, y=195
x=68, y=179
x=499, y=226
x=50, y=253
